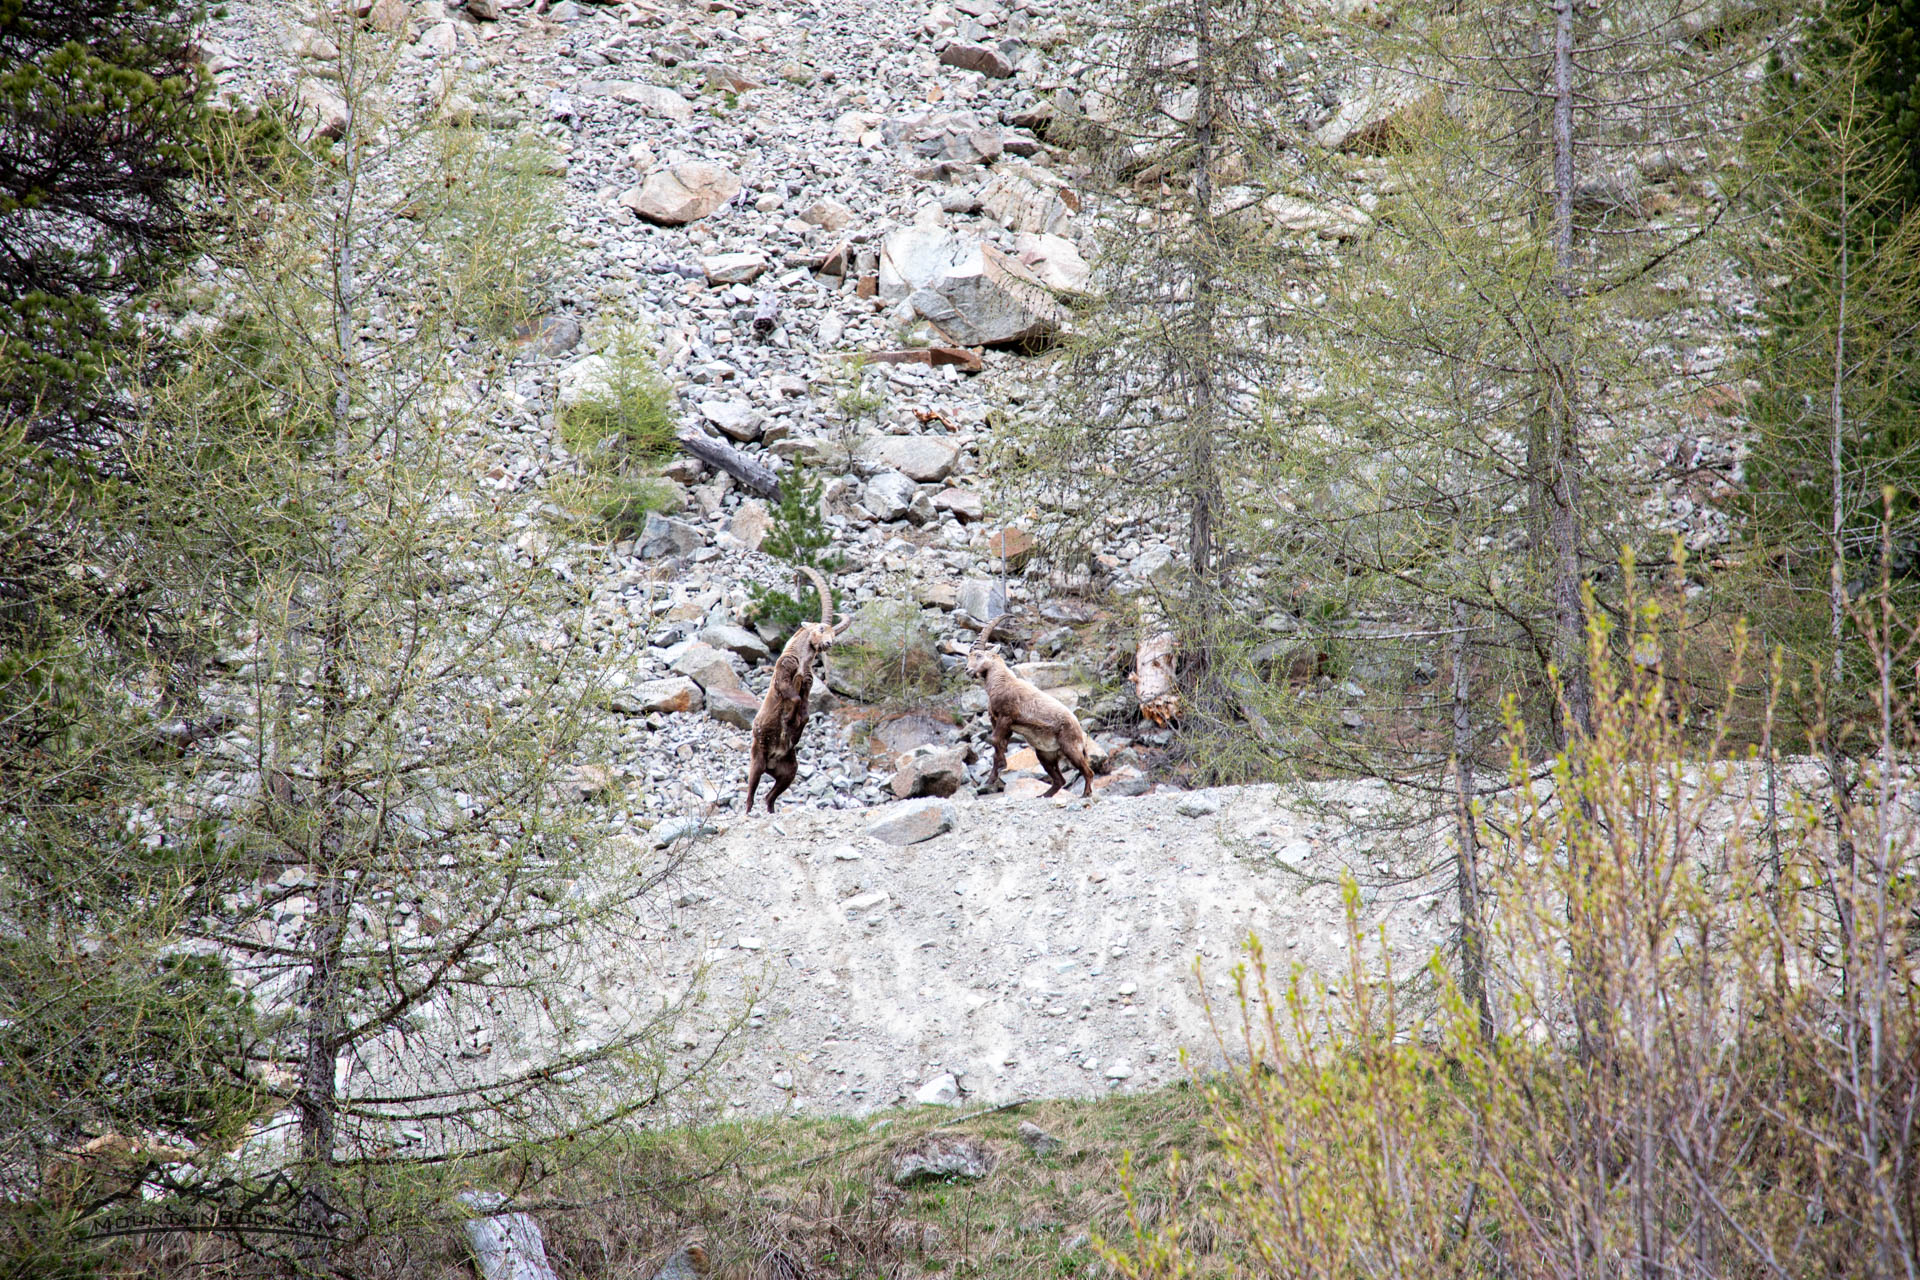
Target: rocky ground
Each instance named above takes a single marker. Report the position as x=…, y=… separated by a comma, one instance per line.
x=765, y=190
x=1014, y=949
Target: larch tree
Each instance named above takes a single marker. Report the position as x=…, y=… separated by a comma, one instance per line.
x=431, y=896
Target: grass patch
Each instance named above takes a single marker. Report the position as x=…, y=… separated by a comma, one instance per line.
x=816, y=1194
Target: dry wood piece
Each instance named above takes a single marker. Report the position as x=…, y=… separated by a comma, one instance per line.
x=1153, y=678
x=736, y=464
x=766, y=314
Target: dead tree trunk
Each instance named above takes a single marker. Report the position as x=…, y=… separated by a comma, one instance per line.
x=736, y=464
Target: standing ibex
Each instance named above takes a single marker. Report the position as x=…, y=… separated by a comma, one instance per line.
x=1043, y=722
x=782, y=717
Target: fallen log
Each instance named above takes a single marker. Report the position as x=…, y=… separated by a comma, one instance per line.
x=1153, y=678
x=736, y=464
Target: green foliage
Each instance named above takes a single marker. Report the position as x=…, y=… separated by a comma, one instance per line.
x=887, y=656
x=1840, y=250
x=621, y=433
x=102, y=120
x=800, y=537
x=857, y=395
x=1669, y=966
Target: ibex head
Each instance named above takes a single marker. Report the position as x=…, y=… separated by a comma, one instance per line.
x=819, y=636
x=982, y=656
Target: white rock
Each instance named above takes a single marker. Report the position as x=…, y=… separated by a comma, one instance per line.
x=736, y=419
x=656, y=100
x=1196, y=805
x=733, y=268
x=1054, y=261
x=970, y=290
x=1028, y=197
x=942, y=1090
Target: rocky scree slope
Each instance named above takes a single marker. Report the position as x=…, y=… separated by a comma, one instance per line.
x=766, y=189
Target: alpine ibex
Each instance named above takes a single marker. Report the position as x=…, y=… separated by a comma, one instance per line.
x=1042, y=722
x=782, y=717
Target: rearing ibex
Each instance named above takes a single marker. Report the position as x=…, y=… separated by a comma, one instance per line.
x=782, y=717
x=1043, y=722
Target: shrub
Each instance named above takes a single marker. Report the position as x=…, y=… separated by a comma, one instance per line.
x=620, y=434
x=800, y=537
x=1707, y=1058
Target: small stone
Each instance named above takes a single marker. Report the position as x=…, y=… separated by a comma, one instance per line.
x=733, y=268
x=1118, y=1069
x=941, y=1156
x=940, y=1091
x=736, y=419
x=675, y=829
x=1196, y=804
x=911, y=821
x=746, y=943
x=1038, y=1140
x=889, y=495
x=656, y=100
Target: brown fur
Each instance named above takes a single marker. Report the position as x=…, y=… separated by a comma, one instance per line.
x=782, y=717
x=1042, y=721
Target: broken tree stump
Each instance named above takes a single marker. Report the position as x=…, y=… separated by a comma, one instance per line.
x=1153, y=678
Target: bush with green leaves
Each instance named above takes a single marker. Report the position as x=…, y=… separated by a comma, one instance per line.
x=621, y=432
x=887, y=656
x=800, y=537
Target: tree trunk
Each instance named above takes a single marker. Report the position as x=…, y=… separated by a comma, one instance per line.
x=1473, y=954
x=1565, y=465
x=734, y=463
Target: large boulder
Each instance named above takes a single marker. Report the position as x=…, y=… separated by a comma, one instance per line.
x=662, y=537
x=957, y=136
x=675, y=693
x=911, y=821
x=1054, y=261
x=322, y=113
x=736, y=707
x=975, y=294
x=925, y=459
x=930, y=771
x=682, y=193
x=588, y=378
x=889, y=495
x=1029, y=197
x=708, y=667
x=736, y=640
x=983, y=58
x=736, y=419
